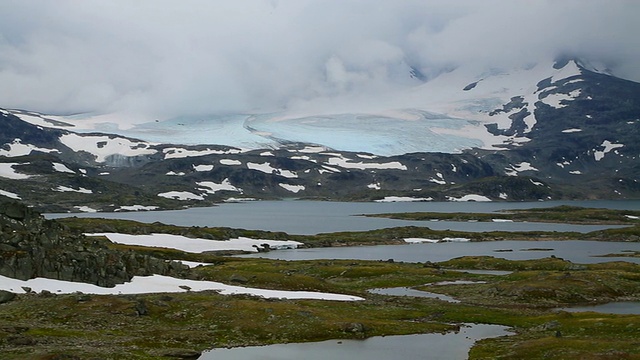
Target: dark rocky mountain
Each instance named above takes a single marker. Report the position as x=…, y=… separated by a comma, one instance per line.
x=580, y=137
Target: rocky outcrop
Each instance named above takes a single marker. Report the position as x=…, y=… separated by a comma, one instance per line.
x=31, y=246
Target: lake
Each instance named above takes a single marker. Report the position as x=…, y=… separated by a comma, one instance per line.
x=622, y=307
x=313, y=217
x=576, y=251
x=453, y=345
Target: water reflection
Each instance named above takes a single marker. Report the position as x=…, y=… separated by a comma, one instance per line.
x=405, y=291
x=622, y=307
x=431, y=346
x=312, y=217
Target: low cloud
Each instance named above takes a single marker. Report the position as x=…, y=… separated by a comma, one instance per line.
x=167, y=58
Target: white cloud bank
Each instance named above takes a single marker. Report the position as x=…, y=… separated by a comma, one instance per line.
x=161, y=58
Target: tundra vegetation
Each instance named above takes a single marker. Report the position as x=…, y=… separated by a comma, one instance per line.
x=47, y=325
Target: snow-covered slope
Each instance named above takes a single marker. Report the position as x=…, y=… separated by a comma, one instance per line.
x=448, y=113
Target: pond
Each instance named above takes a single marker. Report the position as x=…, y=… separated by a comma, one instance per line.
x=406, y=291
x=434, y=346
x=313, y=217
x=622, y=307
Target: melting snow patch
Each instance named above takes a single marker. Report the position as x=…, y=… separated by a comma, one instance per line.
x=632, y=217
x=136, y=208
x=201, y=168
x=181, y=195
x=513, y=170
x=212, y=188
x=344, y=163
x=268, y=169
x=267, y=153
x=434, y=241
x=402, y=199
x=575, y=172
x=608, y=146
x=568, y=131
x=230, y=162
x=503, y=196
x=375, y=186
x=161, y=284
x=177, y=153
x=237, y=200
x=313, y=149
x=62, y=168
x=555, y=100
x=10, y=195
x=501, y=220
x=7, y=171
x=173, y=173
x=85, y=209
x=470, y=197
x=536, y=183
x=68, y=189
x=17, y=148
x=103, y=146
x=292, y=188
x=195, y=245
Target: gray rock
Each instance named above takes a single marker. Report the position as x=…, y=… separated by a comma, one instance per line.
x=6, y=296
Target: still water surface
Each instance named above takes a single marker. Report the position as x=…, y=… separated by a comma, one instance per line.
x=581, y=252
x=313, y=217
x=427, y=346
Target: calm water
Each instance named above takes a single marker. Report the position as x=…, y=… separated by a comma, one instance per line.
x=427, y=346
x=582, y=252
x=623, y=307
x=406, y=291
x=313, y=217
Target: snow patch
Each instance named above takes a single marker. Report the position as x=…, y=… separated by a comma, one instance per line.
x=375, y=186
x=10, y=195
x=555, y=100
x=569, y=131
x=81, y=190
x=470, y=197
x=85, y=208
x=344, y=163
x=136, y=208
x=7, y=171
x=62, y=168
x=197, y=245
x=161, y=284
x=230, y=162
x=435, y=241
x=608, y=146
x=268, y=169
x=180, y=195
x=293, y=188
x=178, y=153
x=17, y=148
x=202, y=168
x=513, y=170
x=402, y=199
x=173, y=173
x=212, y=188
x=103, y=146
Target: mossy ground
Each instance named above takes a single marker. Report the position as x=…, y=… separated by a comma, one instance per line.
x=38, y=326
x=150, y=326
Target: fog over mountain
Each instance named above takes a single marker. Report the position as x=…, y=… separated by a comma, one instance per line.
x=161, y=59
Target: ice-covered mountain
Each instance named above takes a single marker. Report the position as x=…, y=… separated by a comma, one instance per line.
x=464, y=108
x=563, y=129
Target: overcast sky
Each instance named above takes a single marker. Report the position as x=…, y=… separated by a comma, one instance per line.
x=183, y=57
